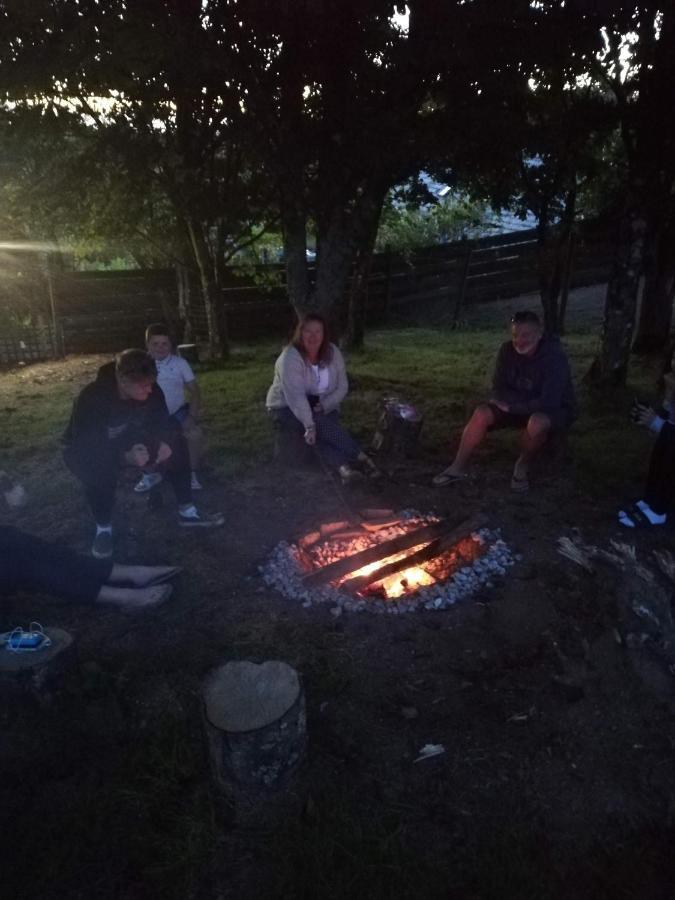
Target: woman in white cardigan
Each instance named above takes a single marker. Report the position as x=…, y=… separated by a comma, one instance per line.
x=310, y=382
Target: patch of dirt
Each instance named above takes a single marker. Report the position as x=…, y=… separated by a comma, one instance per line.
x=76, y=369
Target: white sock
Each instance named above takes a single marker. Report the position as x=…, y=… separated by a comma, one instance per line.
x=101, y=528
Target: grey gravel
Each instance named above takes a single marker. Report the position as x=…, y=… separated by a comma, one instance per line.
x=283, y=572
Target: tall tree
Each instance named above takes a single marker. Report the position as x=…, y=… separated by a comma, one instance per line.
x=647, y=220
x=156, y=85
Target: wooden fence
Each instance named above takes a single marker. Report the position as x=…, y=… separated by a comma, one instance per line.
x=106, y=311
x=29, y=343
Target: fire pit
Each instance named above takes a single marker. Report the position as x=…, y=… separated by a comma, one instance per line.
x=390, y=564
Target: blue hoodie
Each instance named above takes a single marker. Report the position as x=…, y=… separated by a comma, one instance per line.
x=538, y=383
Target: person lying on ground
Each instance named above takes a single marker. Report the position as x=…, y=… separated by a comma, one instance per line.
x=121, y=419
x=310, y=382
x=659, y=495
x=532, y=390
x=28, y=563
x=183, y=399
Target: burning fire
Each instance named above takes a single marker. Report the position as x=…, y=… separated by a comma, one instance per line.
x=400, y=582
x=405, y=581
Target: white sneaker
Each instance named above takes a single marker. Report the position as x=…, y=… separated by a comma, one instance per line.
x=147, y=482
x=194, y=482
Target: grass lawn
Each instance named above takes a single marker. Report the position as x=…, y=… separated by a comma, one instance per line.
x=107, y=792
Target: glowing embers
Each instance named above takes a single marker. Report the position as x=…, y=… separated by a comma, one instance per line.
x=414, y=561
x=391, y=586
x=365, y=582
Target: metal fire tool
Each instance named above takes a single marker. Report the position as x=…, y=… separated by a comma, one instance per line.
x=353, y=513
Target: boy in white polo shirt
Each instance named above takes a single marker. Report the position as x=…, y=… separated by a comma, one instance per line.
x=183, y=399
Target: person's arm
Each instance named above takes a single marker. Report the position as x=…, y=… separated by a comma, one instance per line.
x=502, y=395
x=292, y=375
x=194, y=397
x=157, y=420
x=86, y=432
x=334, y=398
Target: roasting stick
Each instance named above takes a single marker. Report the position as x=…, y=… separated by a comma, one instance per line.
x=354, y=515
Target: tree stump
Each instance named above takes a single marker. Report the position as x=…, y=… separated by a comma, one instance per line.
x=398, y=430
x=256, y=726
x=289, y=445
x=41, y=674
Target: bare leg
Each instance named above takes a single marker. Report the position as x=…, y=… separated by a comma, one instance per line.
x=134, y=597
x=534, y=437
x=140, y=576
x=474, y=432
x=194, y=437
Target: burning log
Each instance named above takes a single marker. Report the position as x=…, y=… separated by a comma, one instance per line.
x=331, y=528
x=378, y=514
x=334, y=571
x=437, y=546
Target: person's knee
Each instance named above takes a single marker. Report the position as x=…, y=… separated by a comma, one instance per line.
x=538, y=425
x=192, y=432
x=482, y=417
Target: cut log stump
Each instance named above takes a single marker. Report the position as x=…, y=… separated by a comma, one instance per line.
x=42, y=674
x=256, y=726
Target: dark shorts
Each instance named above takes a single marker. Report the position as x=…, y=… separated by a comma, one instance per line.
x=181, y=414
x=560, y=419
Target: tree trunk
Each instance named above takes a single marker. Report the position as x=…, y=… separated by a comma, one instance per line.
x=295, y=258
x=368, y=224
x=334, y=260
x=553, y=250
x=611, y=365
x=215, y=321
x=656, y=312
x=185, y=310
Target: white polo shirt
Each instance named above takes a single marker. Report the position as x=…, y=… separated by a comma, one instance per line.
x=173, y=373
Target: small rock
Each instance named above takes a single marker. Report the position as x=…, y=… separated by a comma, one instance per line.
x=409, y=712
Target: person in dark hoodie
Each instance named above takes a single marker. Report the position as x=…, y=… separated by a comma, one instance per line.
x=532, y=390
x=121, y=419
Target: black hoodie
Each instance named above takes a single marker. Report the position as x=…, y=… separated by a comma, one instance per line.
x=101, y=419
x=538, y=383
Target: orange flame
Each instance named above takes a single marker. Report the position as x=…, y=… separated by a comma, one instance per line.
x=400, y=582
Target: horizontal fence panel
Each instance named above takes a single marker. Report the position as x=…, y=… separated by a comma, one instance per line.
x=109, y=310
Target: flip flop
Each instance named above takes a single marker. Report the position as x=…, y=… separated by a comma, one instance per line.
x=165, y=576
x=447, y=478
x=520, y=485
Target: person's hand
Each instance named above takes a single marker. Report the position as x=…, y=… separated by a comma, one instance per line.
x=16, y=496
x=310, y=435
x=645, y=415
x=163, y=453
x=137, y=456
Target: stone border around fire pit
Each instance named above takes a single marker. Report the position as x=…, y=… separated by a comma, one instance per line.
x=283, y=571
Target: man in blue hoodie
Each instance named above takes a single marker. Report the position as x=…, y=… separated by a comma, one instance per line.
x=532, y=390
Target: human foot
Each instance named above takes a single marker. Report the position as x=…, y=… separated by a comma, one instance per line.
x=143, y=576
x=448, y=476
x=135, y=598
